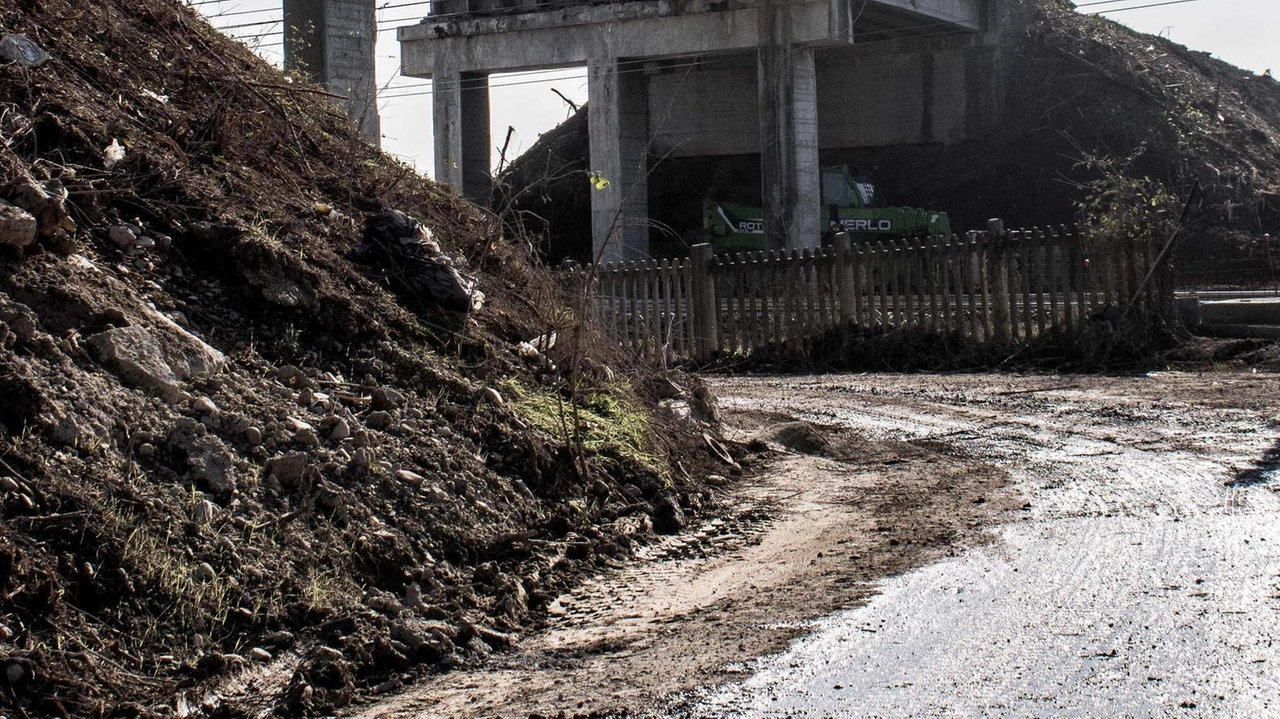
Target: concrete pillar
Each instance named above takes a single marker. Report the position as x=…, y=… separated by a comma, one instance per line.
x=333, y=42
x=618, y=124
x=788, y=97
x=460, y=108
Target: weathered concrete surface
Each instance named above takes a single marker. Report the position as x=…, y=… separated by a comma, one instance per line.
x=618, y=121
x=788, y=111
x=460, y=109
x=718, y=77
x=333, y=41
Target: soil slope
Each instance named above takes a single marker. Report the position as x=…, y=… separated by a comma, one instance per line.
x=240, y=471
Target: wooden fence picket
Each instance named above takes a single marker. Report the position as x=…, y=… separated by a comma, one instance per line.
x=996, y=286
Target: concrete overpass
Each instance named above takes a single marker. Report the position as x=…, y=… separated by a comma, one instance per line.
x=782, y=78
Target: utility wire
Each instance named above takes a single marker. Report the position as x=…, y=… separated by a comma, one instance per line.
x=1141, y=7
x=695, y=58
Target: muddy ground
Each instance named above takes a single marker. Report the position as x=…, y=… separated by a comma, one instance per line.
x=911, y=494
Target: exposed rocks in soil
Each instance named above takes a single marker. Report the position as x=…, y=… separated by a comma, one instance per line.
x=242, y=470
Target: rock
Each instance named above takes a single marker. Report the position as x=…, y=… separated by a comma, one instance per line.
x=677, y=409
x=288, y=468
x=306, y=437
x=297, y=425
x=135, y=356
x=280, y=638
x=385, y=398
x=189, y=356
x=204, y=405
x=341, y=430
x=435, y=495
x=668, y=518
x=206, y=511
x=409, y=477
x=204, y=572
x=362, y=458
x=253, y=436
x=20, y=49
x=379, y=420
x=122, y=236
x=327, y=653
x=18, y=228
x=491, y=396
x=46, y=201
x=210, y=462
x=413, y=596
x=8, y=484
x=258, y=654
x=292, y=376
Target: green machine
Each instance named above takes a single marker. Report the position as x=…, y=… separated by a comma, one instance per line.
x=850, y=206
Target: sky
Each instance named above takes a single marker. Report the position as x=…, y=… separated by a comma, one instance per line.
x=1238, y=31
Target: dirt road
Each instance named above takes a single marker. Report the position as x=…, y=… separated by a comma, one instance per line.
x=1134, y=568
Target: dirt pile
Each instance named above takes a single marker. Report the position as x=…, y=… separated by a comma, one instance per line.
x=1077, y=86
x=243, y=467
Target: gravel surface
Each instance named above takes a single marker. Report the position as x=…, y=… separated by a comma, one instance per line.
x=1144, y=582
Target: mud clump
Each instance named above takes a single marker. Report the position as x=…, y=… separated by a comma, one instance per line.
x=245, y=467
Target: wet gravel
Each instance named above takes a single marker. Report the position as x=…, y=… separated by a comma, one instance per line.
x=1144, y=581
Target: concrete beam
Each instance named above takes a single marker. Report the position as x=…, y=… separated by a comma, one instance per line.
x=641, y=35
x=460, y=118
x=652, y=28
x=333, y=42
x=618, y=124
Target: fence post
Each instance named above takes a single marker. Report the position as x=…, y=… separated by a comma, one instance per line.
x=844, y=280
x=995, y=233
x=703, y=309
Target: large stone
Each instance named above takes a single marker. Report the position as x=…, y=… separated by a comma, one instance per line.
x=46, y=201
x=288, y=468
x=668, y=518
x=18, y=228
x=189, y=356
x=212, y=465
x=136, y=357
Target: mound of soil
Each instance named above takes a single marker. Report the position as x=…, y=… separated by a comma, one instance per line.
x=1078, y=86
x=243, y=469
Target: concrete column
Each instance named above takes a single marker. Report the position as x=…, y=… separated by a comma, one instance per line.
x=333, y=42
x=788, y=97
x=618, y=123
x=461, y=120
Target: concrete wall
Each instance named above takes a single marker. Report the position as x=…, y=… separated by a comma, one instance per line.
x=333, y=41
x=941, y=93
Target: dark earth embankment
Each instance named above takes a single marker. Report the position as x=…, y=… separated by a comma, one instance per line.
x=241, y=471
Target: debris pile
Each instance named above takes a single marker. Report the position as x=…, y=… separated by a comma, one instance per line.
x=271, y=432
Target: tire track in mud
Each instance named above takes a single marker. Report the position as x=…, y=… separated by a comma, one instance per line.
x=1143, y=583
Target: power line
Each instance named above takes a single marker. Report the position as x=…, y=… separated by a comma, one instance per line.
x=696, y=58
x=1141, y=7
x=244, y=12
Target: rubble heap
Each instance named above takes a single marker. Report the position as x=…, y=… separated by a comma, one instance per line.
x=281, y=421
